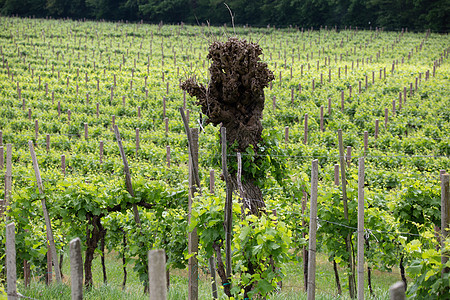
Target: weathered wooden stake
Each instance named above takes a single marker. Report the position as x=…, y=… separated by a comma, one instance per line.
x=305, y=134
x=377, y=126
x=76, y=269
x=157, y=267
x=168, y=155
x=11, y=271
x=321, y=118
x=46, y=215
x=126, y=170
x=137, y=141
x=101, y=151
x=366, y=142
x=2, y=157
x=286, y=134
x=445, y=215
x=360, y=293
x=311, y=290
x=192, y=236
x=63, y=164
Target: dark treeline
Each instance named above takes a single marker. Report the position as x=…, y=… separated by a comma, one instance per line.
x=390, y=14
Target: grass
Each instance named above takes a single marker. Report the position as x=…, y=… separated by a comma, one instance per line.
x=292, y=284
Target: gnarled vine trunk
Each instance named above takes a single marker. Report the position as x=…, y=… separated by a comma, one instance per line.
x=92, y=238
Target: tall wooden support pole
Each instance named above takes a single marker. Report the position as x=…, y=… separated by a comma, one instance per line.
x=311, y=291
x=351, y=277
x=76, y=269
x=11, y=271
x=192, y=236
x=360, y=247
x=212, y=267
x=2, y=157
x=228, y=203
x=157, y=267
x=8, y=178
x=305, y=134
x=126, y=170
x=46, y=215
x=445, y=215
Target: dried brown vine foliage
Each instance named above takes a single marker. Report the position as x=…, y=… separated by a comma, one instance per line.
x=234, y=98
x=235, y=94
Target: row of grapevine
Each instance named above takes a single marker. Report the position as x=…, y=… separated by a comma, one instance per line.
x=65, y=85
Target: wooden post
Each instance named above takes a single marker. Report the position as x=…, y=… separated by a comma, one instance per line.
x=366, y=142
x=311, y=290
x=445, y=215
x=2, y=157
x=8, y=179
x=228, y=203
x=157, y=267
x=377, y=126
x=36, y=129
x=344, y=200
x=139, y=112
x=101, y=151
x=286, y=134
x=305, y=134
x=76, y=269
x=11, y=271
x=321, y=118
x=86, y=133
x=63, y=164
x=397, y=291
x=126, y=170
x=168, y=155
x=212, y=267
x=342, y=101
x=336, y=174
x=46, y=215
x=137, y=141
x=97, y=112
x=360, y=293
x=192, y=236
x=349, y=155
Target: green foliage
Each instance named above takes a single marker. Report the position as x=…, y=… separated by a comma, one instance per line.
x=427, y=271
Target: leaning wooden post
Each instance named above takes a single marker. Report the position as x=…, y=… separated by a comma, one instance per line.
x=351, y=277
x=360, y=293
x=397, y=291
x=157, y=267
x=194, y=178
x=126, y=170
x=46, y=216
x=192, y=236
x=445, y=216
x=11, y=271
x=76, y=269
x=311, y=294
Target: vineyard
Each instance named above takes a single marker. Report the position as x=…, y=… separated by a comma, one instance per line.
x=90, y=127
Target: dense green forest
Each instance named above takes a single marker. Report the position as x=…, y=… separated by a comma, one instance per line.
x=392, y=15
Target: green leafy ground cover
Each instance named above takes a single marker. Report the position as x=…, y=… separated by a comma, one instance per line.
x=51, y=67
